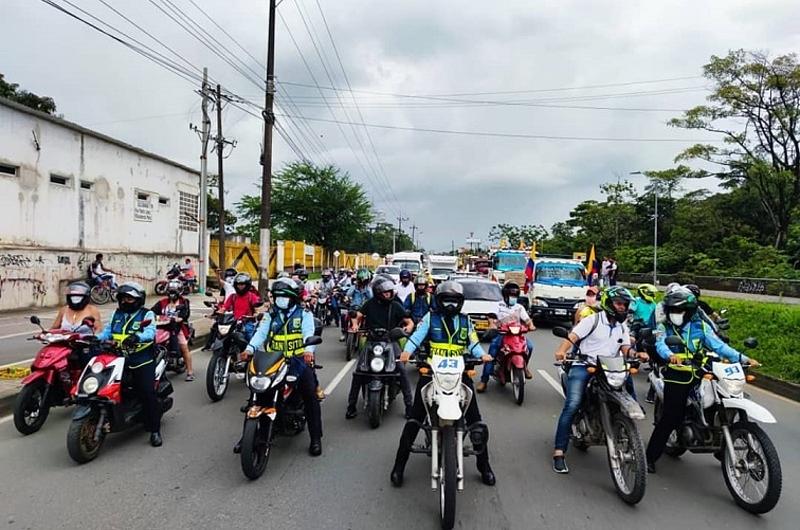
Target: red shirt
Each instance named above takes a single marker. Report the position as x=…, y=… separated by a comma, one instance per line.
x=242, y=305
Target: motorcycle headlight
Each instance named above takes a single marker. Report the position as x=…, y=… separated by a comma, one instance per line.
x=90, y=385
x=377, y=349
x=377, y=364
x=733, y=387
x=539, y=302
x=448, y=382
x=224, y=329
x=259, y=383
x=616, y=379
x=97, y=367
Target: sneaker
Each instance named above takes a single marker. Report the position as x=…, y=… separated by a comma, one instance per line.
x=351, y=412
x=480, y=388
x=320, y=393
x=239, y=375
x=560, y=464
x=528, y=373
x=342, y=338
x=189, y=377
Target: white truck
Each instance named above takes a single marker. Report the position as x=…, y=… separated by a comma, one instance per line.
x=558, y=288
x=410, y=261
x=440, y=267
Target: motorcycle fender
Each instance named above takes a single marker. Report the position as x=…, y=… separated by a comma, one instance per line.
x=375, y=385
x=629, y=406
x=518, y=362
x=81, y=412
x=753, y=410
x=449, y=408
x=38, y=374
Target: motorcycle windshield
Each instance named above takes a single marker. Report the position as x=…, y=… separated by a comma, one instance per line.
x=612, y=364
x=263, y=361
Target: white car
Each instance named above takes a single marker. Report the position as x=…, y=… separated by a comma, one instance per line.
x=390, y=270
x=482, y=297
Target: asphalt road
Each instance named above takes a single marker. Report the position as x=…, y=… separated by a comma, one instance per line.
x=195, y=481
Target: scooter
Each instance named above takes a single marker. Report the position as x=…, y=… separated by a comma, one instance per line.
x=509, y=367
x=378, y=368
x=165, y=328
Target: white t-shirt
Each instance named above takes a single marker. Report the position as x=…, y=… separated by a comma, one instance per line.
x=516, y=311
x=403, y=291
x=605, y=340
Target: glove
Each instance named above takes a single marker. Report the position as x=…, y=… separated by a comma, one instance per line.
x=131, y=340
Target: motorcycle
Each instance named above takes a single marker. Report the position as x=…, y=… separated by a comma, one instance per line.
x=606, y=417
x=54, y=371
x=446, y=399
x=509, y=367
x=378, y=367
x=105, y=401
x=229, y=342
x=351, y=337
x=274, y=407
x=103, y=292
x=719, y=420
x=189, y=284
x=165, y=328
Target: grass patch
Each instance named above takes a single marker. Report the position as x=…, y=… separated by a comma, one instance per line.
x=777, y=328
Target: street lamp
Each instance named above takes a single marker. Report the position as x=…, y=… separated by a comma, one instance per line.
x=655, y=229
x=336, y=255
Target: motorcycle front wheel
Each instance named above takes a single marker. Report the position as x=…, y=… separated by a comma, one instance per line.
x=216, y=380
x=256, y=445
x=81, y=445
x=374, y=407
x=630, y=475
x=30, y=407
x=518, y=385
x=754, y=479
x=448, y=470
x=349, y=345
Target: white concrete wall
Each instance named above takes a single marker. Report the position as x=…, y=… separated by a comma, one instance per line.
x=42, y=222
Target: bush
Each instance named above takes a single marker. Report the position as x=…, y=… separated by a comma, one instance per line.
x=777, y=328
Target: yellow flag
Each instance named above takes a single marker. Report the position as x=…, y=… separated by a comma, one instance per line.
x=521, y=244
x=590, y=261
x=533, y=251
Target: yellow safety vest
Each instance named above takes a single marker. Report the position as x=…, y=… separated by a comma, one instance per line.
x=446, y=343
x=288, y=338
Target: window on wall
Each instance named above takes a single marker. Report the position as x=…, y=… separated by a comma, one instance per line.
x=8, y=170
x=187, y=214
x=60, y=180
x=86, y=185
x=143, y=210
x=163, y=201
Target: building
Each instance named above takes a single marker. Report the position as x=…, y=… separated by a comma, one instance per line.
x=67, y=193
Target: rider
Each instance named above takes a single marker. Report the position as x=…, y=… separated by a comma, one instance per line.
x=346, y=280
x=244, y=302
x=643, y=308
x=287, y=325
x=604, y=333
x=326, y=287
x=126, y=327
x=589, y=306
x=78, y=308
x=450, y=332
x=382, y=311
x=405, y=288
x=508, y=309
x=704, y=310
x=358, y=294
x=683, y=321
x=177, y=309
x=419, y=303
x=226, y=282
x=100, y=272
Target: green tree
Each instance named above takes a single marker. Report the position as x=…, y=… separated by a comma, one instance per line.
x=514, y=234
x=29, y=99
x=213, y=217
x=755, y=108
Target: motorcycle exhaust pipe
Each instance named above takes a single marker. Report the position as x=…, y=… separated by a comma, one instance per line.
x=434, y=459
x=460, y=458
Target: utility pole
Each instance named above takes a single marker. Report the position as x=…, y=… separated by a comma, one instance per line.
x=413, y=232
x=400, y=220
x=221, y=142
x=266, y=159
x=204, y=186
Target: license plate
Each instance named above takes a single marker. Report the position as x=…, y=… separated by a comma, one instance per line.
x=481, y=324
x=560, y=311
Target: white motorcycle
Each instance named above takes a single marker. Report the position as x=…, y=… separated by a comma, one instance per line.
x=719, y=420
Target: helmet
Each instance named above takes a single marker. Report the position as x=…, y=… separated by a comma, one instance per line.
x=382, y=284
x=405, y=275
x=283, y=274
x=450, y=297
x=130, y=290
x=420, y=282
x=616, y=294
x=510, y=289
x=647, y=292
x=694, y=289
x=285, y=288
x=230, y=273
x=680, y=305
x=78, y=295
x=326, y=274
x=242, y=283
x=363, y=275
x=174, y=287
x=671, y=287
x=302, y=274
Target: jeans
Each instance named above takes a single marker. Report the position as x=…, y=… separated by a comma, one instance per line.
x=577, y=379
x=107, y=276
x=494, y=349
x=249, y=329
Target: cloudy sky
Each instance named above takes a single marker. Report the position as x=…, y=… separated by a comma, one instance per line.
x=563, y=71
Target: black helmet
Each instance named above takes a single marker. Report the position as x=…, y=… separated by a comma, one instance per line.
x=174, y=289
x=78, y=295
x=694, y=289
x=230, y=272
x=382, y=284
x=242, y=283
x=130, y=290
x=286, y=288
x=450, y=297
x=616, y=294
x=510, y=289
x=405, y=274
x=680, y=305
x=327, y=274
x=302, y=274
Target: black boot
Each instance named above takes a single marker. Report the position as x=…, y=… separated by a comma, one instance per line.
x=155, y=439
x=397, y=475
x=315, y=449
x=487, y=475
x=351, y=411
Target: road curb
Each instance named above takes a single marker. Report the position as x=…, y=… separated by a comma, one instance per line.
x=777, y=386
x=7, y=400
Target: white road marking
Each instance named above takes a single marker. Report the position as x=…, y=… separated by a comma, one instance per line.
x=549, y=378
x=9, y=365
x=20, y=334
x=7, y=418
x=338, y=379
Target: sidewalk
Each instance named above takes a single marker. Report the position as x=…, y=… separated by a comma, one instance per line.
x=736, y=295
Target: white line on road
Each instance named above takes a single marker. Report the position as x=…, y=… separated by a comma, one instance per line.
x=338, y=379
x=7, y=418
x=9, y=365
x=549, y=378
x=20, y=334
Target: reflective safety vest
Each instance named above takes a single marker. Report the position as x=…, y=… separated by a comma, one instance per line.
x=445, y=341
x=287, y=337
x=684, y=374
x=122, y=327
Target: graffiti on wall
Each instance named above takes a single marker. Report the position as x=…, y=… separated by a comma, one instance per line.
x=752, y=287
x=14, y=260
x=38, y=288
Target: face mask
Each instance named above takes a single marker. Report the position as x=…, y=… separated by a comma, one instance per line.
x=75, y=300
x=676, y=319
x=282, y=302
x=173, y=296
x=512, y=301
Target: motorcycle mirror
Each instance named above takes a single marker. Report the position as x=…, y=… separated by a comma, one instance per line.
x=646, y=333
x=313, y=341
x=209, y=293
x=492, y=316
x=723, y=311
x=490, y=334
x=750, y=342
x=673, y=340
x=397, y=334
x=208, y=303
x=35, y=320
x=558, y=331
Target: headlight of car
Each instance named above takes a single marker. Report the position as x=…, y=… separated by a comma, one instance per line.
x=224, y=329
x=90, y=385
x=616, y=379
x=733, y=387
x=377, y=364
x=539, y=302
x=97, y=367
x=377, y=349
x=448, y=382
x=259, y=383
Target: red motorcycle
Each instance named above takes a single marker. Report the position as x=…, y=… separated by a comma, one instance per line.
x=53, y=373
x=510, y=363
x=106, y=402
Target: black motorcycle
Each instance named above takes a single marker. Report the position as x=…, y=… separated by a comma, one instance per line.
x=377, y=367
x=275, y=406
x=229, y=341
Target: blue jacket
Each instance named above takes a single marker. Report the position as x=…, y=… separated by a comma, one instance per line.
x=262, y=333
x=358, y=297
x=696, y=335
x=122, y=322
x=423, y=330
x=420, y=305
